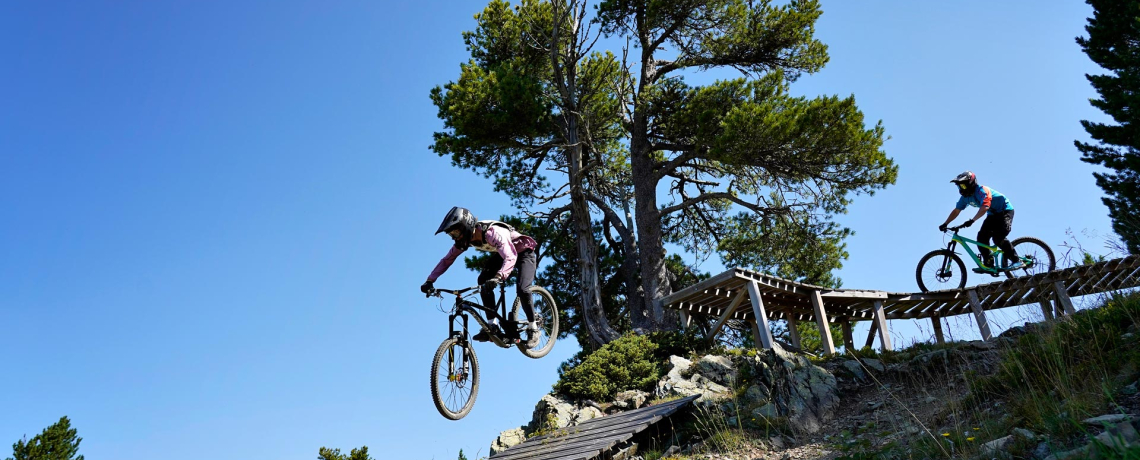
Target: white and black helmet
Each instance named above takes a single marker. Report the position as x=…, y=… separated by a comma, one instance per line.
x=967, y=183
x=459, y=219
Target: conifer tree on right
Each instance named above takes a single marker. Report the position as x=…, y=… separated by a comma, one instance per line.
x=1113, y=42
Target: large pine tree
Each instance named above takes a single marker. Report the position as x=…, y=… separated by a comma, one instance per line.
x=1114, y=44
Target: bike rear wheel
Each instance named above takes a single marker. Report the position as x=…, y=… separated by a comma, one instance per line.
x=1035, y=254
x=454, y=378
x=546, y=313
x=940, y=269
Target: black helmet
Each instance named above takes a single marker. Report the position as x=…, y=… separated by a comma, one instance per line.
x=458, y=219
x=967, y=183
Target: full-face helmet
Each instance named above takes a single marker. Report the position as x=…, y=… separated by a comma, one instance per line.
x=967, y=183
x=459, y=223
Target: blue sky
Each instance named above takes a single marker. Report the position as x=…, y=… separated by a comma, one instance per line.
x=216, y=215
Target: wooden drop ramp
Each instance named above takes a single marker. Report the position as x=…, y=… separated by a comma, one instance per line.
x=757, y=298
x=592, y=438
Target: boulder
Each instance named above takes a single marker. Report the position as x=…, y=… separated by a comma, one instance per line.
x=805, y=394
x=998, y=445
x=855, y=369
x=675, y=383
x=631, y=399
x=508, y=439
x=551, y=412
x=719, y=369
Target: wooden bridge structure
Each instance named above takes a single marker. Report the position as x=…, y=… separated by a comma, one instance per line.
x=757, y=298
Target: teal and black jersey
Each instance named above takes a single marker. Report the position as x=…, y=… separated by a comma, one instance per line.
x=985, y=196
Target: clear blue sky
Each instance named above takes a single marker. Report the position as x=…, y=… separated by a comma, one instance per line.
x=215, y=216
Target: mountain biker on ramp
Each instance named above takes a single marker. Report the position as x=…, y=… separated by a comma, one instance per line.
x=508, y=248
x=999, y=217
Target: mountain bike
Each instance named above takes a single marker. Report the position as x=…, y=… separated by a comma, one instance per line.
x=455, y=368
x=943, y=269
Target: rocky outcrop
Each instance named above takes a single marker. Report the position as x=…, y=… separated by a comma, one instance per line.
x=783, y=388
x=550, y=413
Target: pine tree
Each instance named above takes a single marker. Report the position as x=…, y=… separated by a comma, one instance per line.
x=57, y=442
x=1114, y=44
x=334, y=454
x=461, y=456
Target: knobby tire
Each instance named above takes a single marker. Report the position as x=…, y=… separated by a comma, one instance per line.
x=550, y=321
x=437, y=394
x=938, y=257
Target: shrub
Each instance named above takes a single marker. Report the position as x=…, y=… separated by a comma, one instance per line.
x=628, y=363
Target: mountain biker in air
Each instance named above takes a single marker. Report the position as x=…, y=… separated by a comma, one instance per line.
x=999, y=217
x=508, y=248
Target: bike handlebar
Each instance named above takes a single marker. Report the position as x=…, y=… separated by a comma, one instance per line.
x=455, y=292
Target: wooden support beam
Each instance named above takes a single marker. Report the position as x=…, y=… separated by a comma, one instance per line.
x=1063, y=299
x=794, y=330
x=936, y=321
x=756, y=333
x=980, y=315
x=1047, y=309
x=880, y=323
x=761, y=322
x=725, y=315
x=821, y=320
x=848, y=336
x=871, y=334
x=685, y=320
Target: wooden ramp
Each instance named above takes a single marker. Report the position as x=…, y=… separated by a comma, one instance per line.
x=756, y=298
x=594, y=437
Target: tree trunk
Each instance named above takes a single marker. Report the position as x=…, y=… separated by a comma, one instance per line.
x=594, y=314
x=654, y=275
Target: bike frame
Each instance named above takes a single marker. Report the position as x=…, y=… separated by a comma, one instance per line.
x=463, y=307
x=966, y=242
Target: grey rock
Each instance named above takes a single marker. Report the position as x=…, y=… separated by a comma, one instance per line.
x=855, y=369
x=997, y=445
x=508, y=439
x=874, y=365
x=718, y=368
x=672, y=450
x=766, y=411
x=1024, y=434
x=1110, y=419
x=982, y=345
x=551, y=412
x=1128, y=336
x=1042, y=450
x=1131, y=389
x=631, y=399
x=756, y=394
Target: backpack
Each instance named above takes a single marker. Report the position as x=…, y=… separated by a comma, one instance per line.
x=483, y=225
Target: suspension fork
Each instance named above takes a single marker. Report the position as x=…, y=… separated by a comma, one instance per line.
x=946, y=258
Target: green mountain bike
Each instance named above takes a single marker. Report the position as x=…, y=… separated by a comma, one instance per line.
x=943, y=269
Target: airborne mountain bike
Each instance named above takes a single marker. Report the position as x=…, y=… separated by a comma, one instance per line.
x=455, y=369
x=943, y=269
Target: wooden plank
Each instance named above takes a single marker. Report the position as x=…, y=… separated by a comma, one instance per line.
x=1046, y=309
x=684, y=294
x=848, y=336
x=871, y=334
x=936, y=322
x=793, y=330
x=1063, y=299
x=686, y=321
x=765, y=332
x=880, y=323
x=979, y=315
x=821, y=320
x=726, y=314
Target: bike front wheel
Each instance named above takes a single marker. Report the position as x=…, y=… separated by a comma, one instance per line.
x=546, y=313
x=940, y=269
x=1035, y=255
x=454, y=378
